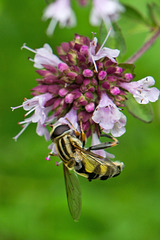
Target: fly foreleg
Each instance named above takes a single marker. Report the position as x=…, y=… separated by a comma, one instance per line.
x=105, y=144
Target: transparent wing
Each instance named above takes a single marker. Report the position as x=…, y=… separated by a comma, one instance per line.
x=73, y=193
x=92, y=162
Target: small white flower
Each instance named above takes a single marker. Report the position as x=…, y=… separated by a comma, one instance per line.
x=106, y=10
x=141, y=90
x=72, y=117
x=44, y=56
x=59, y=11
x=109, y=117
x=36, y=105
x=102, y=52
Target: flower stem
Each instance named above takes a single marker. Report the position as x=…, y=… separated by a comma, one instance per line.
x=144, y=48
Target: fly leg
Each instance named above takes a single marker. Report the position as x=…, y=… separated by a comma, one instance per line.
x=81, y=135
x=105, y=144
x=70, y=163
x=75, y=130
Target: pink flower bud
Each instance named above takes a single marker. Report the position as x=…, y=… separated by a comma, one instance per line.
x=115, y=90
x=62, y=67
x=87, y=73
x=128, y=76
x=89, y=95
x=62, y=92
x=99, y=65
x=111, y=78
x=90, y=107
x=86, y=82
x=69, y=98
x=119, y=70
x=84, y=49
x=106, y=85
x=102, y=75
x=76, y=93
x=72, y=75
x=91, y=89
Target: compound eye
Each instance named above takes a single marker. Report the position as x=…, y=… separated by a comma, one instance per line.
x=59, y=130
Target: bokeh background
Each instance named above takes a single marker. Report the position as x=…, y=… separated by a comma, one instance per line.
x=33, y=203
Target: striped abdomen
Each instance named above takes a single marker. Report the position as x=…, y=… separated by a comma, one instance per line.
x=93, y=167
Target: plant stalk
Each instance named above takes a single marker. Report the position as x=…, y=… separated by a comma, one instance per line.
x=144, y=48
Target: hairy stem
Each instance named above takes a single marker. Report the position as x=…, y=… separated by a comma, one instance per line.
x=144, y=48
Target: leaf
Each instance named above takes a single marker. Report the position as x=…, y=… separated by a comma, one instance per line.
x=135, y=15
x=143, y=112
x=116, y=39
x=102, y=33
x=129, y=67
x=154, y=14
x=119, y=38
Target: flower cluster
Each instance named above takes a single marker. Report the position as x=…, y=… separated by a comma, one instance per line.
x=60, y=11
x=84, y=84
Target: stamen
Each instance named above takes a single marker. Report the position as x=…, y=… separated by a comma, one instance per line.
x=48, y=158
x=94, y=62
x=27, y=120
x=30, y=59
x=23, y=129
x=105, y=40
x=28, y=48
x=32, y=109
x=50, y=154
x=58, y=163
x=13, y=108
x=93, y=33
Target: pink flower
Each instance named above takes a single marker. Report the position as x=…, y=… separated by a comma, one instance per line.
x=39, y=116
x=44, y=56
x=109, y=117
x=69, y=87
x=141, y=90
x=102, y=52
x=72, y=116
x=59, y=11
x=72, y=84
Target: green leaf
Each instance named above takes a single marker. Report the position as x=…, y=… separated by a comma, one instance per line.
x=119, y=38
x=129, y=67
x=143, y=112
x=116, y=39
x=154, y=14
x=102, y=33
x=135, y=15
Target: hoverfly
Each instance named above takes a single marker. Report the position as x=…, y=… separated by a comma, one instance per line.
x=69, y=144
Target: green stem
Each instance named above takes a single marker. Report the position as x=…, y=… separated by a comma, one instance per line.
x=144, y=48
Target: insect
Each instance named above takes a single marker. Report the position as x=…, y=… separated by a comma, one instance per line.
x=70, y=148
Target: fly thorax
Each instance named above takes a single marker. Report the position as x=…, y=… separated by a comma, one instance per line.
x=59, y=131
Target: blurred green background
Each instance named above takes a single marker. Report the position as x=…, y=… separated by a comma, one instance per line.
x=33, y=203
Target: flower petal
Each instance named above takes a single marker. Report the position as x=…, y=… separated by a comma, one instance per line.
x=108, y=116
x=45, y=56
x=141, y=90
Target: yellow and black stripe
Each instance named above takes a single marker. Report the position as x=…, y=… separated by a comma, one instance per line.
x=84, y=162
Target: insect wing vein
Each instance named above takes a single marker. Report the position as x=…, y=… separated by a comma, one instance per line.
x=73, y=193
